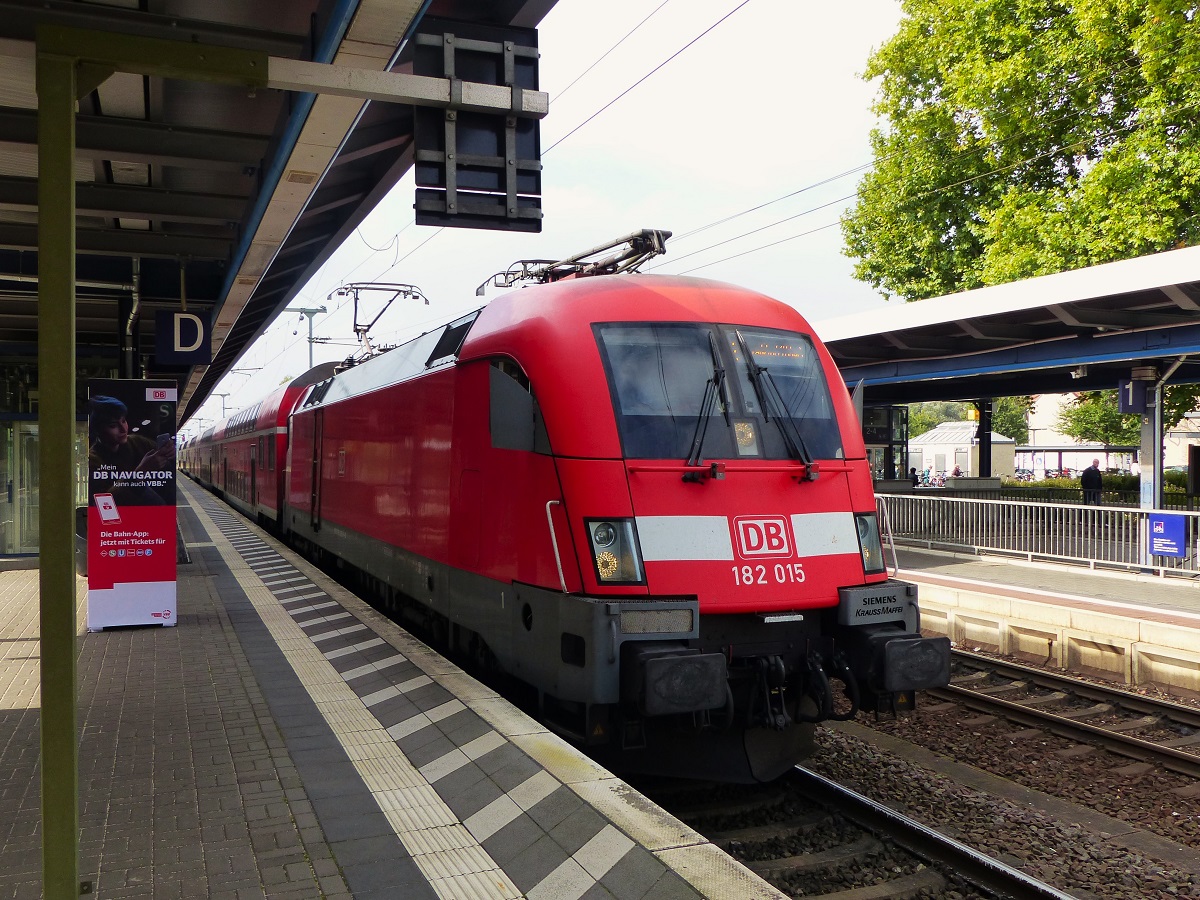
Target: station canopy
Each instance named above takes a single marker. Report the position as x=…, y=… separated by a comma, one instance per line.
x=209, y=194
x=1081, y=330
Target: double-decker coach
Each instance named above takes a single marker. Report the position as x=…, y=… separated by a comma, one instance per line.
x=242, y=457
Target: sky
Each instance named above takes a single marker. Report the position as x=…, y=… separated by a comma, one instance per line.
x=674, y=115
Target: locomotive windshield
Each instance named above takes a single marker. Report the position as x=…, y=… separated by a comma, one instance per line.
x=661, y=377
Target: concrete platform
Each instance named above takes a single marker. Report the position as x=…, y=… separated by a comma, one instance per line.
x=285, y=740
x=1135, y=629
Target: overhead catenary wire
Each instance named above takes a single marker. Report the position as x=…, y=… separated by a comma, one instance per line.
x=646, y=76
x=1133, y=65
x=605, y=54
x=745, y=234
x=934, y=191
x=581, y=124
x=981, y=148
x=780, y=199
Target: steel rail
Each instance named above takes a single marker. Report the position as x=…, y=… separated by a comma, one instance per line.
x=932, y=846
x=1115, y=741
x=1177, y=712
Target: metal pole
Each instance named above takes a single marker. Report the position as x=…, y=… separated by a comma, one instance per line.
x=310, y=313
x=56, y=445
x=1158, y=429
x=984, y=434
x=1157, y=476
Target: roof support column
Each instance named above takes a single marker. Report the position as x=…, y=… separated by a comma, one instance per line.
x=56, y=445
x=984, y=436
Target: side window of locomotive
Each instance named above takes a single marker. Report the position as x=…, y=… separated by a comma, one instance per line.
x=515, y=417
x=794, y=377
x=451, y=340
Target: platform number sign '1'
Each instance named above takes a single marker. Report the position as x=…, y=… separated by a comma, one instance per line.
x=1131, y=396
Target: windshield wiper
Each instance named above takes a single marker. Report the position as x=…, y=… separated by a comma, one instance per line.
x=714, y=392
x=771, y=401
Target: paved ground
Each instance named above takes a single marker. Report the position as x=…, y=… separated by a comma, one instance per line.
x=186, y=789
x=270, y=745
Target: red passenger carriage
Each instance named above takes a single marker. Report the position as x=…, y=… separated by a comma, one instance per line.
x=242, y=457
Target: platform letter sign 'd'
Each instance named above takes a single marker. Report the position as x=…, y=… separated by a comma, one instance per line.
x=182, y=338
x=1167, y=535
x=131, y=503
x=1131, y=396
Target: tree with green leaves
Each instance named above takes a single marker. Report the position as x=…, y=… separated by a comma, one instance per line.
x=923, y=417
x=1010, y=417
x=1025, y=137
x=1093, y=415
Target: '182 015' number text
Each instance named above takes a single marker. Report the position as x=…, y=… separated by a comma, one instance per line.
x=784, y=573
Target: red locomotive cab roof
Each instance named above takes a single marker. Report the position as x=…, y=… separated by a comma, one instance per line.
x=548, y=330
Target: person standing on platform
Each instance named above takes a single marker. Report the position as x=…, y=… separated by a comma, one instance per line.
x=915, y=478
x=1092, y=483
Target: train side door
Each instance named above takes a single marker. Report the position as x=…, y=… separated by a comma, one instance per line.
x=318, y=450
x=253, y=474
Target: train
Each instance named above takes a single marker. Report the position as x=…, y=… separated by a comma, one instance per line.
x=642, y=499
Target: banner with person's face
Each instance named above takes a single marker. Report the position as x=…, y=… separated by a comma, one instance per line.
x=131, y=502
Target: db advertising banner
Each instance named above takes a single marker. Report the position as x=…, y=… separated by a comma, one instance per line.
x=131, y=503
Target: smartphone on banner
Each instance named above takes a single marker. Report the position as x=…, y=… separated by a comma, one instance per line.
x=108, y=508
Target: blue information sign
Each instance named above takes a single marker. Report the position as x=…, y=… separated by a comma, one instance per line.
x=1167, y=535
x=1131, y=396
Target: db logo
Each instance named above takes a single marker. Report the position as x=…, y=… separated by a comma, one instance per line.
x=159, y=394
x=762, y=537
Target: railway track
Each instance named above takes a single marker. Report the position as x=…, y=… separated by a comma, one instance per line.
x=810, y=837
x=1132, y=725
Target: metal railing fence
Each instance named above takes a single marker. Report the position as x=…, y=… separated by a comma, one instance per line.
x=1172, y=500
x=1097, y=536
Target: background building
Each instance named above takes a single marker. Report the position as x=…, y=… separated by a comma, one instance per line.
x=954, y=444
x=1051, y=451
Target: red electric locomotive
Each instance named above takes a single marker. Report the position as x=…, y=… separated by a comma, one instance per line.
x=645, y=497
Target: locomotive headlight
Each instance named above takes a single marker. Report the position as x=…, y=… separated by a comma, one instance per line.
x=869, y=543
x=607, y=564
x=615, y=553
x=604, y=534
